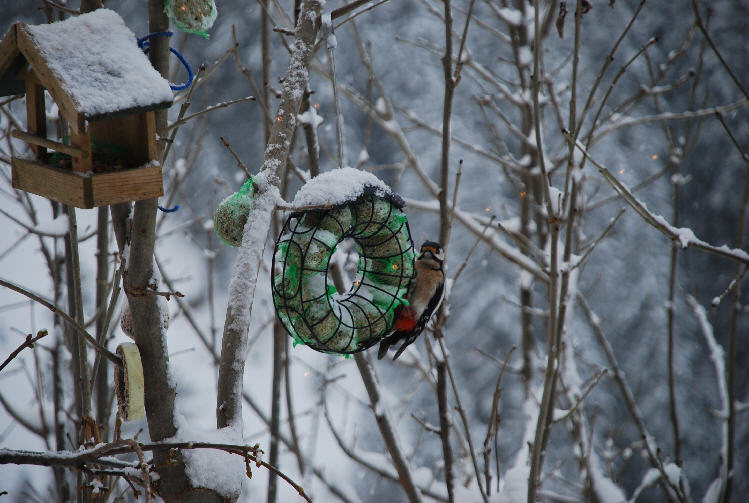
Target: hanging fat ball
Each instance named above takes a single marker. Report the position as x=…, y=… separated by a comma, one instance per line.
x=192, y=16
x=231, y=215
x=424, y=296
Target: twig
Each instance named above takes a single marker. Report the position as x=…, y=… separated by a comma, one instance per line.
x=342, y=11
x=669, y=116
x=462, y=414
x=458, y=176
x=356, y=14
x=38, y=430
x=733, y=332
x=70, y=321
x=651, y=448
x=731, y=286
x=328, y=34
x=598, y=240
x=27, y=343
x=182, y=110
x=248, y=75
x=576, y=405
x=236, y=157
x=224, y=104
x=709, y=39
x=144, y=292
x=492, y=429
x=63, y=8
x=473, y=248
x=386, y=429
x=444, y=431
x=607, y=61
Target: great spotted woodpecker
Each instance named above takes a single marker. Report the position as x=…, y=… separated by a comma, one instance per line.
x=424, y=296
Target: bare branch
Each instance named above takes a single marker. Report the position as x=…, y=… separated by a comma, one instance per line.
x=70, y=321
x=683, y=235
x=27, y=343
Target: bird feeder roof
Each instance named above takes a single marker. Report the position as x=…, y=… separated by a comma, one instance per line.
x=91, y=65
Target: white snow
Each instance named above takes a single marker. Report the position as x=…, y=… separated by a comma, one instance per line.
x=717, y=356
x=381, y=107
x=712, y=495
x=338, y=186
x=310, y=117
x=606, y=490
x=212, y=468
x=525, y=56
x=97, y=61
x=673, y=472
x=244, y=276
x=510, y=16
x=650, y=478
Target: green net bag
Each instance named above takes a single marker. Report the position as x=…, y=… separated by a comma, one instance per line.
x=231, y=215
x=192, y=16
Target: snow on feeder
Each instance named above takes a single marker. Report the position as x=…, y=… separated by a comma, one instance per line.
x=192, y=16
x=346, y=203
x=106, y=89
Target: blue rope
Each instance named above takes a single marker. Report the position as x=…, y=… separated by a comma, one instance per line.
x=169, y=210
x=145, y=44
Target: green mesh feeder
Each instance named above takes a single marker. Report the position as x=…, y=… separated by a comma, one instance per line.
x=192, y=16
x=231, y=215
x=306, y=300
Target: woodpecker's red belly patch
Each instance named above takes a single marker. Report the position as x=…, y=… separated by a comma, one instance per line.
x=406, y=320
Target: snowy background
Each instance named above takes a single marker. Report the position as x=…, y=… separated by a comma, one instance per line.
x=625, y=279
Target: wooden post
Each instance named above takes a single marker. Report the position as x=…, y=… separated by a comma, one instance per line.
x=36, y=115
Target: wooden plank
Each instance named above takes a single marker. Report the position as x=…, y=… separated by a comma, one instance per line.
x=123, y=138
x=36, y=116
x=82, y=141
x=154, y=153
x=8, y=50
x=11, y=60
x=49, y=80
x=127, y=185
x=44, y=142
x=53, y=183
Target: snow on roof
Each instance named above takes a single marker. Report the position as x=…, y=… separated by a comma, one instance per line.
x=97, y=62
x=340, y=186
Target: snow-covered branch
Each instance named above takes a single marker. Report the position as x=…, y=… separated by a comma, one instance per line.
x=247, y=266
x=683, y=235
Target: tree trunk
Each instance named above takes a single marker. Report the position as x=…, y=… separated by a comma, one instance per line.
x=173, y=484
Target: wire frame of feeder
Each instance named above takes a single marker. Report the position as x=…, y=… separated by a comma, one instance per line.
x=307, y=302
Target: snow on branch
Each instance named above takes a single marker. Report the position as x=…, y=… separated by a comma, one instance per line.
x=103, y=456
x=683, y=235
x=718, y=358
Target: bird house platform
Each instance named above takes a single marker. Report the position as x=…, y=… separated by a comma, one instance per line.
x=106, y=91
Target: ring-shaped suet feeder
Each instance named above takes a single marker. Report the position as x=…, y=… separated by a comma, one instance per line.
x=307, y=302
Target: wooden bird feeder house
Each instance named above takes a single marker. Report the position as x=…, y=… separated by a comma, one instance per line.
x=106, y=90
